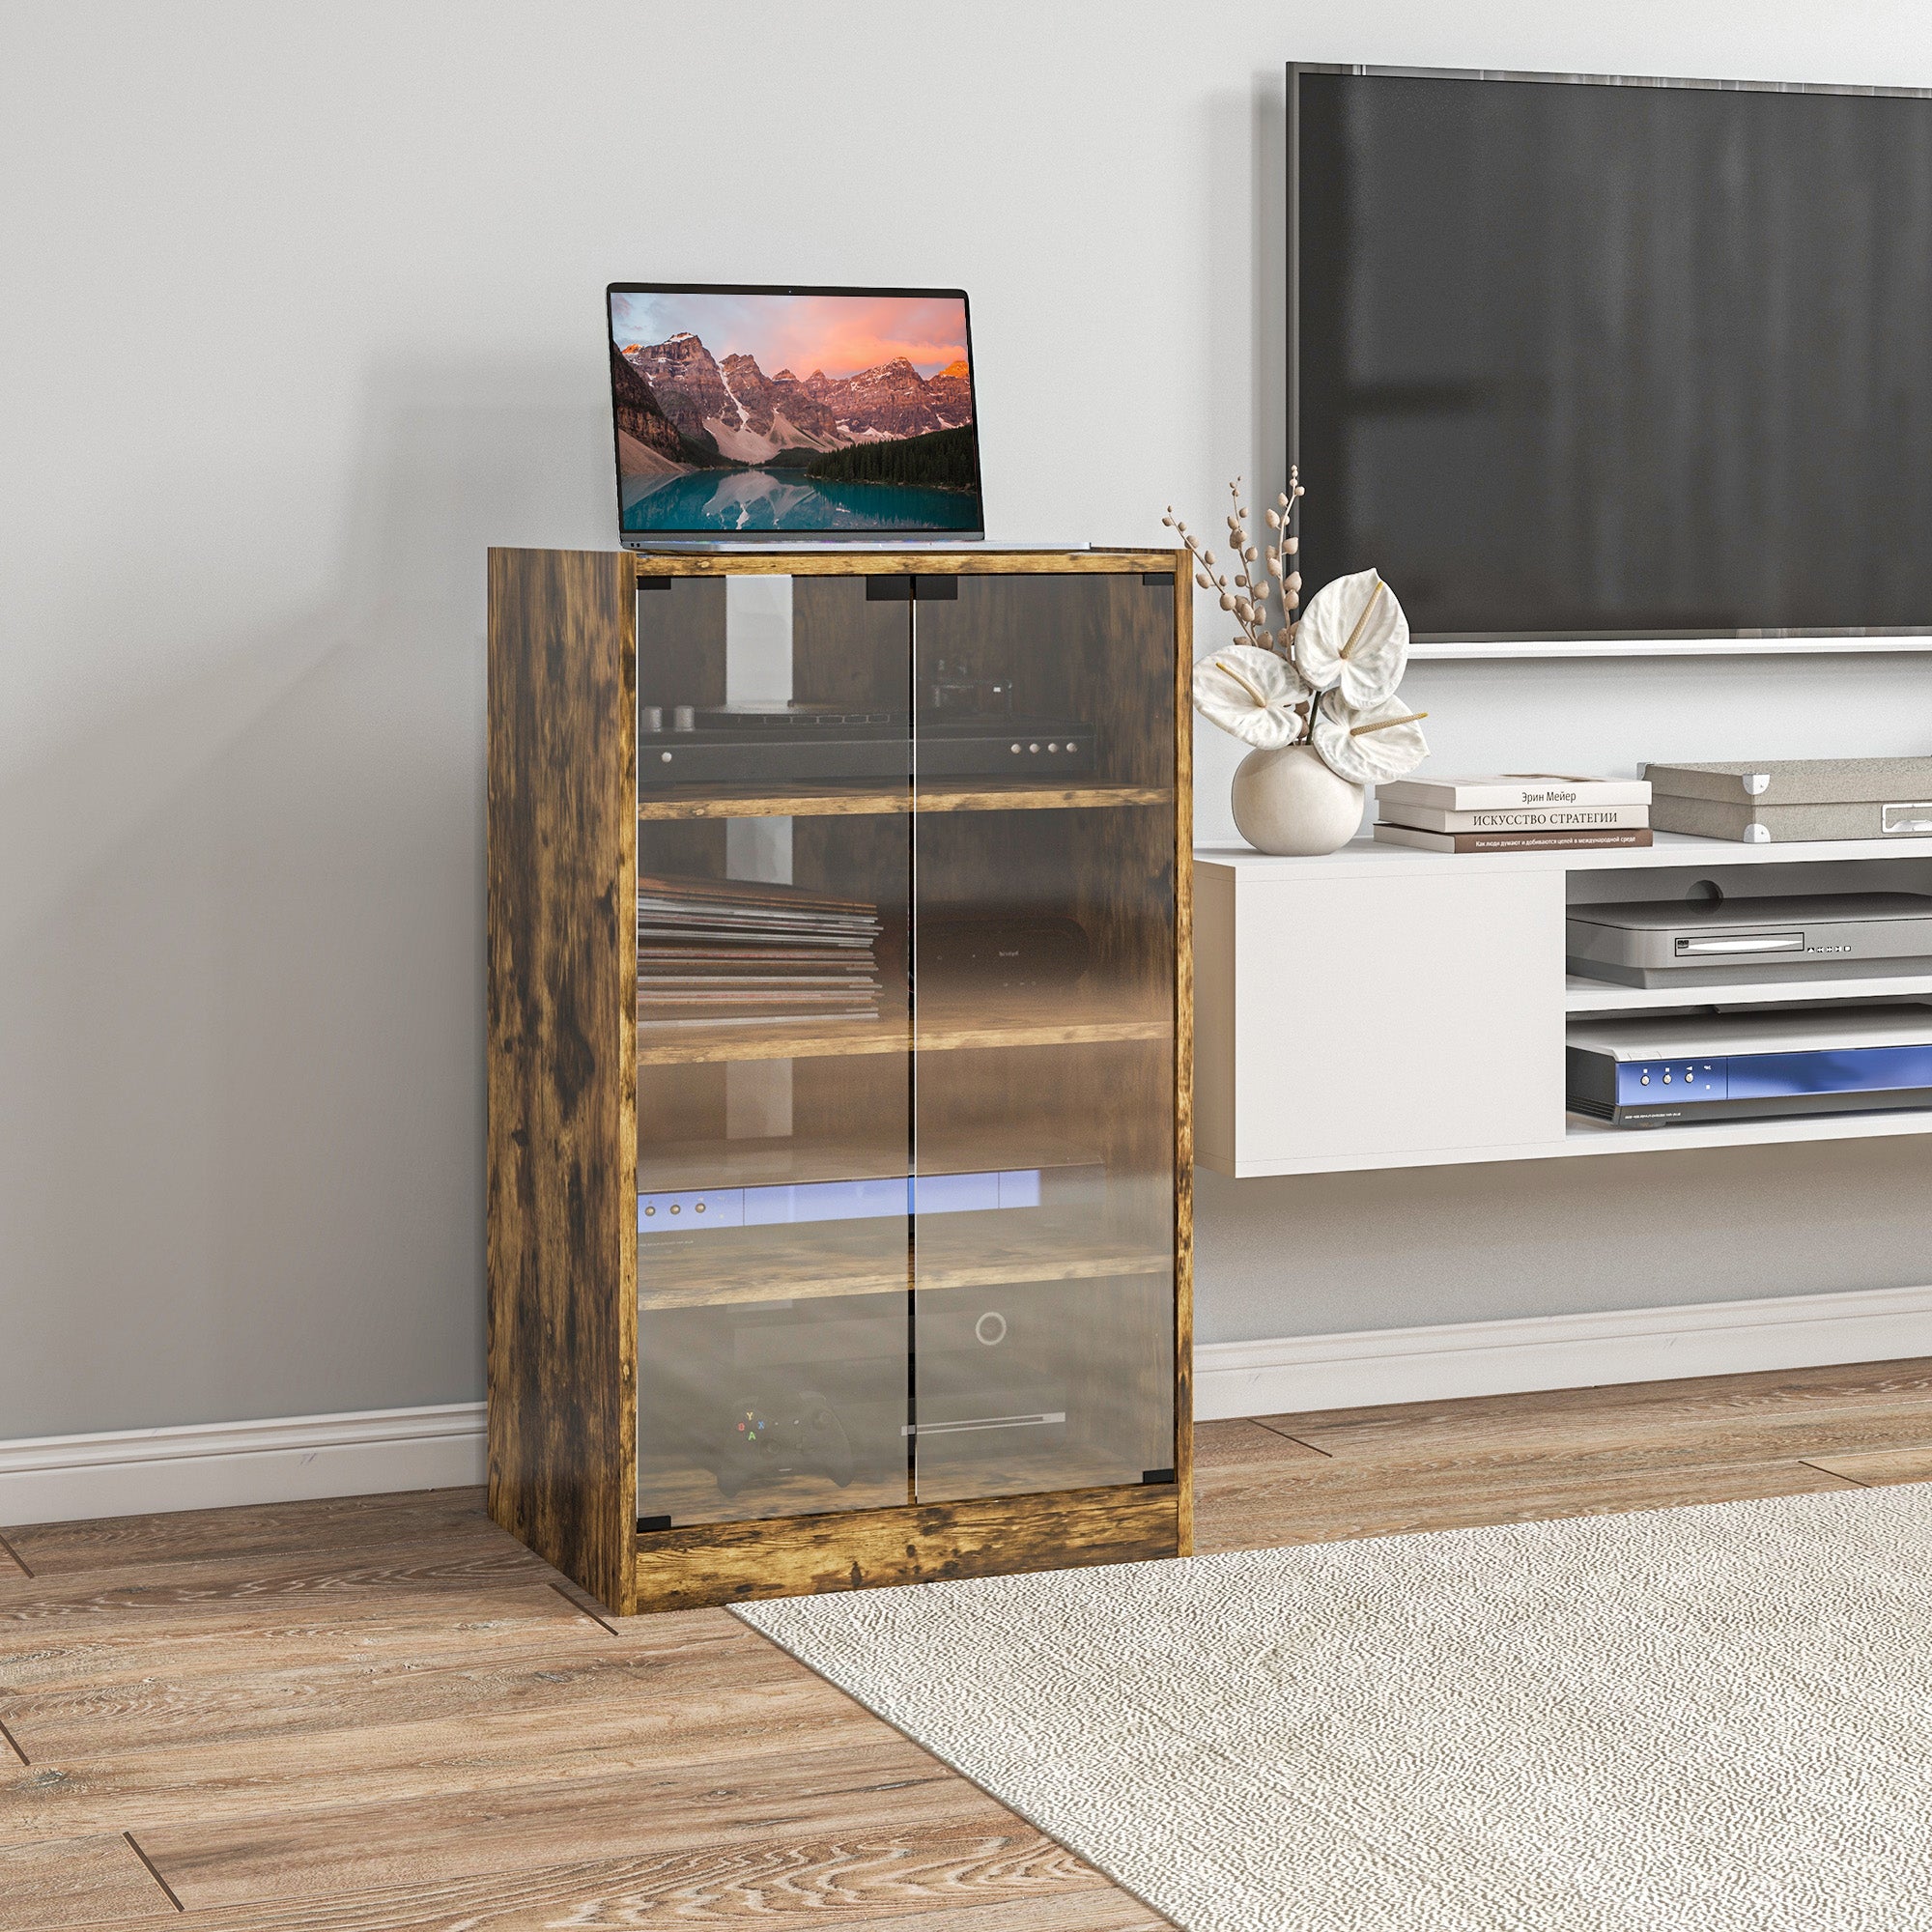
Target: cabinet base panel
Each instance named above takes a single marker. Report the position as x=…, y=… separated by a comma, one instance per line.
x=925, y=1543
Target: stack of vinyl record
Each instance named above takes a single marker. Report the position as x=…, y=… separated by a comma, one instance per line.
x=739, y=952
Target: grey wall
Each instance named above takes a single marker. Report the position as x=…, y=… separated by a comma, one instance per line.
x=1327, y=1254
x=303, y=312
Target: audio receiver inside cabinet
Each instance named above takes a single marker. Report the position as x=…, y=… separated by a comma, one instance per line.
x=839, y=1067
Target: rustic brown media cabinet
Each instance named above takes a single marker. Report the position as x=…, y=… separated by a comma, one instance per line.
x=801, y=1296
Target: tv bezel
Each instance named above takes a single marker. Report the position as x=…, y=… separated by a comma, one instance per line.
x=1296, y=69
x=684, y=540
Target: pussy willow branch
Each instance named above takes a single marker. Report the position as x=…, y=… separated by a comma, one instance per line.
x=1255, y=593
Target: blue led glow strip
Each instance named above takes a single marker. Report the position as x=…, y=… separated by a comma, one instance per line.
x=838, y=1201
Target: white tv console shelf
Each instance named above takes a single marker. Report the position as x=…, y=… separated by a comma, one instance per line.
x=1451, y=651
x=1384, y=1007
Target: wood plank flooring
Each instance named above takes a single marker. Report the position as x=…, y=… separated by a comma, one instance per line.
x=382, y=1715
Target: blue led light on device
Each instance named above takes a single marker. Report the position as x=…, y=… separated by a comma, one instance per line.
x=812, y=1200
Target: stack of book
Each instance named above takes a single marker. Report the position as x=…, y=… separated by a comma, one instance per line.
x=735, y=952
x=1516, y=811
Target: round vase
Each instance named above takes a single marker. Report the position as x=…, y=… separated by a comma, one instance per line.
x=1289, y=803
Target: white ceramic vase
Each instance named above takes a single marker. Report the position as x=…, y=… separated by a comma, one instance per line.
x=1289, y=803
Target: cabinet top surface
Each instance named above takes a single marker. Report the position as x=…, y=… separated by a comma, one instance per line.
x=828, y=562
x=1667, y=848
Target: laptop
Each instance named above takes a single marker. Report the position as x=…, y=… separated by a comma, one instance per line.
x=748, y=415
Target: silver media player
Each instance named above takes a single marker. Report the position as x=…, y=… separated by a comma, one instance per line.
x=1686, y=943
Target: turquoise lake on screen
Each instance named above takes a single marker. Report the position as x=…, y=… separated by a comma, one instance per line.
x=765, y=499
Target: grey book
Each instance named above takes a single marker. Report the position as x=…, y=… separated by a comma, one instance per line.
x=1782, y=781
x=1753, y=824
x=1534, y=818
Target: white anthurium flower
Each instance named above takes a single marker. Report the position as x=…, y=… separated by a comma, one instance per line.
x=1251, y=693
x=1369, y=743
x=1353, y=639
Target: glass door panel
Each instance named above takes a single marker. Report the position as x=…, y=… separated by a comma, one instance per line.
x=774, y=1072
x=1042, y=1027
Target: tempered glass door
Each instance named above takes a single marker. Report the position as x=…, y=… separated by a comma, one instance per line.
x=1044, y=959
x=773, y=1025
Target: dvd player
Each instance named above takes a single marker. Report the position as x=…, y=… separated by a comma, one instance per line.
x=1741, y=1065
x=686, y=745
x=1686, y=943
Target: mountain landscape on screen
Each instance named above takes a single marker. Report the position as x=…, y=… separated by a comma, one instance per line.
x=716, y=430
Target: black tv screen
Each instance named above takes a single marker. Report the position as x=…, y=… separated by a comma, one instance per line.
x=1578, y=357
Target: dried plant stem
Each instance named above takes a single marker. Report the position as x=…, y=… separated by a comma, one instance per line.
x=1250, y=585
x=1195, y=550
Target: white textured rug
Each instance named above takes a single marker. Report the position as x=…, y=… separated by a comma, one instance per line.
x=1707, y=1719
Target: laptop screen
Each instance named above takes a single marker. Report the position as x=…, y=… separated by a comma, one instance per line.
x=823, y=412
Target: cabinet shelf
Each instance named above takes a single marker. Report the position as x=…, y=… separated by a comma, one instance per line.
x=1369, y=857
x=1583, y=995
x=679, y=802
x=797, y=1160
x=946, y=1025
x=691, y=1495
x=1584, y=1136
x=1470, y=650
x=840, y=1258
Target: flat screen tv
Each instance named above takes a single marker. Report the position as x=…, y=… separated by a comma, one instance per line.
x=799, y=412
x=1574, y=357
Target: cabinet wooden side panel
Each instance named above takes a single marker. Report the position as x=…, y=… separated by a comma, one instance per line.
x=562, y=1061
x=1184, y=1050
x=734, y=1563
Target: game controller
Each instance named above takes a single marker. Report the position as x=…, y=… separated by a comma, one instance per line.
x=802, y=1437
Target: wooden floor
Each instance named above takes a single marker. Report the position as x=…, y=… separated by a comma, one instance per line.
x=384, y=1713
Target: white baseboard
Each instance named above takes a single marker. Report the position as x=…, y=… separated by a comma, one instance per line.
x=211, y=1465
x=1297, y=1372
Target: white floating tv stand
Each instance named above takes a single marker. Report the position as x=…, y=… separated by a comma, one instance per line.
x=1386, y=1008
